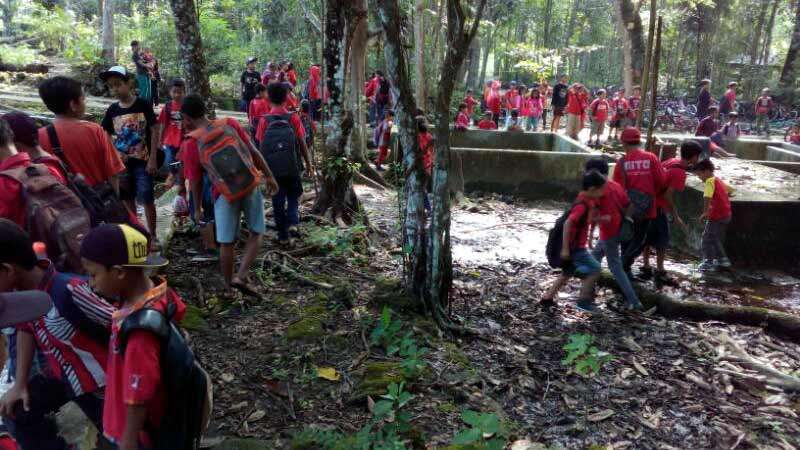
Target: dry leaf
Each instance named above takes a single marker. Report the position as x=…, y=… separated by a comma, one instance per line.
x=227, y=377
x=256, y=415
x=776, y=399
x=600, y=416
x=639, y=368
x=238, y=406
x=626, y=372
x=328, y=373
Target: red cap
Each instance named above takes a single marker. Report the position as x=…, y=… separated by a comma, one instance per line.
x=631, y=135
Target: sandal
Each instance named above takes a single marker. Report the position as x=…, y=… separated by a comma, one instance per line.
x=245, y=287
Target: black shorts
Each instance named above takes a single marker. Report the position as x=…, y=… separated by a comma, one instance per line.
x=658, y=232
x=558, y=111
x=616, y=123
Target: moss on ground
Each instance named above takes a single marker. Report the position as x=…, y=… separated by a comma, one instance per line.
x=193, y=319
x=390, y=292
x=377, y=377
x=312, y=317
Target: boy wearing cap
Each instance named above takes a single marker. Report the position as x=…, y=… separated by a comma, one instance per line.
x=717, y=215
x=171, y=124
x=73, y=336
x=116, y=259
x=136, y=134
x=248, y=81
x=642, y=176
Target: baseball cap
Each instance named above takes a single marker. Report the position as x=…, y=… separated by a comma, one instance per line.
x=733, y=83
x=631, y=135
x=116, y=71
x=252, y=59
x=24, y=128
x=120, y=245
x=15, y=245
x=23, y=306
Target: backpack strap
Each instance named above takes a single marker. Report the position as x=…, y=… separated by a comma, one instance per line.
x=147, y=319
x=55, y=143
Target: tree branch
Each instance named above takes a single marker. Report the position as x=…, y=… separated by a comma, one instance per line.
x=312, y=19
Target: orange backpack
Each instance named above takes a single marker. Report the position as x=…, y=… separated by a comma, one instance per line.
x=227, y=160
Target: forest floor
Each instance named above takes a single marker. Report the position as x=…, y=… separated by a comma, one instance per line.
x=669, y=384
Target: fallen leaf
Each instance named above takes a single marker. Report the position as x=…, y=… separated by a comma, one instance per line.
x=639, y=368
x=776, y=399
x=256, y=415
x=600, y=416
x=227, y=377
x=631, y=344
x=626, y=372
x=238, y=406
x=277, y=387
x=328, y=373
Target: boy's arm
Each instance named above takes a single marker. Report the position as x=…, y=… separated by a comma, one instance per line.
x=19, y=391
x=134, y=424
x=155, y=140
x=669, y=197
x=197, y=195
x=305, y=154
x=565, y=239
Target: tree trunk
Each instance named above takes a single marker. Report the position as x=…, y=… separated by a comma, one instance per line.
x=190, y=47
x=474, y=63
x=548, y=21
x=573, y=15
x=437, y=31
x=108, y=54
x=765, y=53
x=789, y=72
x=459, y=40
x=485, y=61
x=419, y=51
x=630, y=23
x=754, y=47
x=414, y=233
x=9, y=8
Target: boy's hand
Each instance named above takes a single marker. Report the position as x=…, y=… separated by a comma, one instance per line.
x=564, y=254
x=129, y=442
x=15, y=394
x=704, y=216
x=271, y=186
x=310, y=171
x=152, y=167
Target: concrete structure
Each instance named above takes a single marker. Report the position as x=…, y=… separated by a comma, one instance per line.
x=491, y=139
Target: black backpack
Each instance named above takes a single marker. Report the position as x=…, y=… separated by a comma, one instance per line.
x=188, y=386
x=555, y=238
x=100, y=200
x=279, y=147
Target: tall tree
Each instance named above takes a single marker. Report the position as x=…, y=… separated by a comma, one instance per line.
x=419, y=50
x=756, y=40
x=9, y=10
x=765, y=53
x=630, y=24
x=190, y=46
x=108, y=48
x=789, y=72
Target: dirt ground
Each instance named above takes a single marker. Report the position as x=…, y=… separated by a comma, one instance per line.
x=671, y=384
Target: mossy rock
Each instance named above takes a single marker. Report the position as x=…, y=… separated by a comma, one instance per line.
x=193, y=319
x=390, y=292
x=453, y=353
x=447, y=408
x=244, y=444
x=377, y=378
x=343, y=294
x=311, y=319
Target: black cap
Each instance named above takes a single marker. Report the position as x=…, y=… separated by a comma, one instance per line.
x=120, y=245
x=15, y=245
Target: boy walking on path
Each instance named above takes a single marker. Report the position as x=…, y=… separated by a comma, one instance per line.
x=613, y=217
x=116, y=258
x=763, y=106
x=172, y=125
x=73, y=337
x=620, y=110
x=383, y=138
x=143, y=69
x=137, y=135
x=575, y=110
x=283, y=142
x=248, y=81
x=728, y=101
x=227, y=214
x=641, y=175
x=717, y=214
x=634, y=105
x=559, y=102
x=574, y=242
x=704, y=99
x=599, y=109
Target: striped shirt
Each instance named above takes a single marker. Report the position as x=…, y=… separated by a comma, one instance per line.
x=74, y=334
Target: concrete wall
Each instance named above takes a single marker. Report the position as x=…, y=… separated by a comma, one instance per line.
x=528, y=174
x=774, y=153
x=492, y=139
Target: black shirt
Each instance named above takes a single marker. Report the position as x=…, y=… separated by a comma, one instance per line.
x=560, y=95
x=131, y=127
x=249, y=82
x=140, y=68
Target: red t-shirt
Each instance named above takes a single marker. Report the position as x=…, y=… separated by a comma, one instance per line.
x=12, y=205
x=462, y=121
x=134, y=377
x=794, y=138
x=87, y=149
x=486, y=124
x=599, y=108
x=574, y=104
x=513, y=101
x=372, y=88
x=707, y=127
x=493, y=103
x=173, y=125
x=674, y=177
x=764, y=104
x=643, y=172
x=426, y=147
x=730, y=97
x=470, y=102
x=258, y=107
x=294, y=120
x=634, y=102
x=610, y=210
x=720, y=202
x=579, y=217
x=190, y=154
x=620, y=108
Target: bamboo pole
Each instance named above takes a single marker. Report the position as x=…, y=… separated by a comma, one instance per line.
x=656, y=63
x=647, y=63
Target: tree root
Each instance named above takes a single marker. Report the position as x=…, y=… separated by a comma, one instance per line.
x=739, y=355
x=776, y=322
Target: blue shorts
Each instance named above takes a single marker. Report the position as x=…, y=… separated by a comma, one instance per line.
x=227, y=216
x=136, y=183
x=582, y=264
x=658, y=232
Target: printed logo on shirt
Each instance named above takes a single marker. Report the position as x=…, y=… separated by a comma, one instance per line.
x=129, y=135
x=641, y=164
x=135, y=381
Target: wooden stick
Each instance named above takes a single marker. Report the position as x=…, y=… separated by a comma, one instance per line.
x=647, y=57
x=656, y=63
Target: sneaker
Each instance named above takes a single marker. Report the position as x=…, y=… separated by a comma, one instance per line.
x=706, y=266
x=724, y=263
x=588, y=306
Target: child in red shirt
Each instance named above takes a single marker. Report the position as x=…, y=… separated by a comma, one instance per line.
x=794, y=135
x=763, y=106
x=470, y=101
x=172, y=128
x=384, y=138
x=487, y=123
x=462, y=119
x=599, y=108
x=575, y=110
x=620, y=108
x=116, y=259
x=634, y=103
x=258, y=107
x=717, y=214
x=534, y=107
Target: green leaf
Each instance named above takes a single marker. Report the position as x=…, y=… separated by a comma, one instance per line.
x=489, y=423
x=471, y=417
x=495, y=444
x=382, y=408
x=467, y=436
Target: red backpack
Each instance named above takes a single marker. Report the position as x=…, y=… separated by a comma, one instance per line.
x=53, y=215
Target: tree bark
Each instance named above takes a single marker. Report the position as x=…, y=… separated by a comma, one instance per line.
x=485, y=61
x=789, y=72
x=419, y=51
x=765, y=53
x=108, y=51
x=190, y=47
x=754, y=44
x=548, y=21
x=473, y=63
x=633, y=41
x=9, y=8
x=573, y=15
